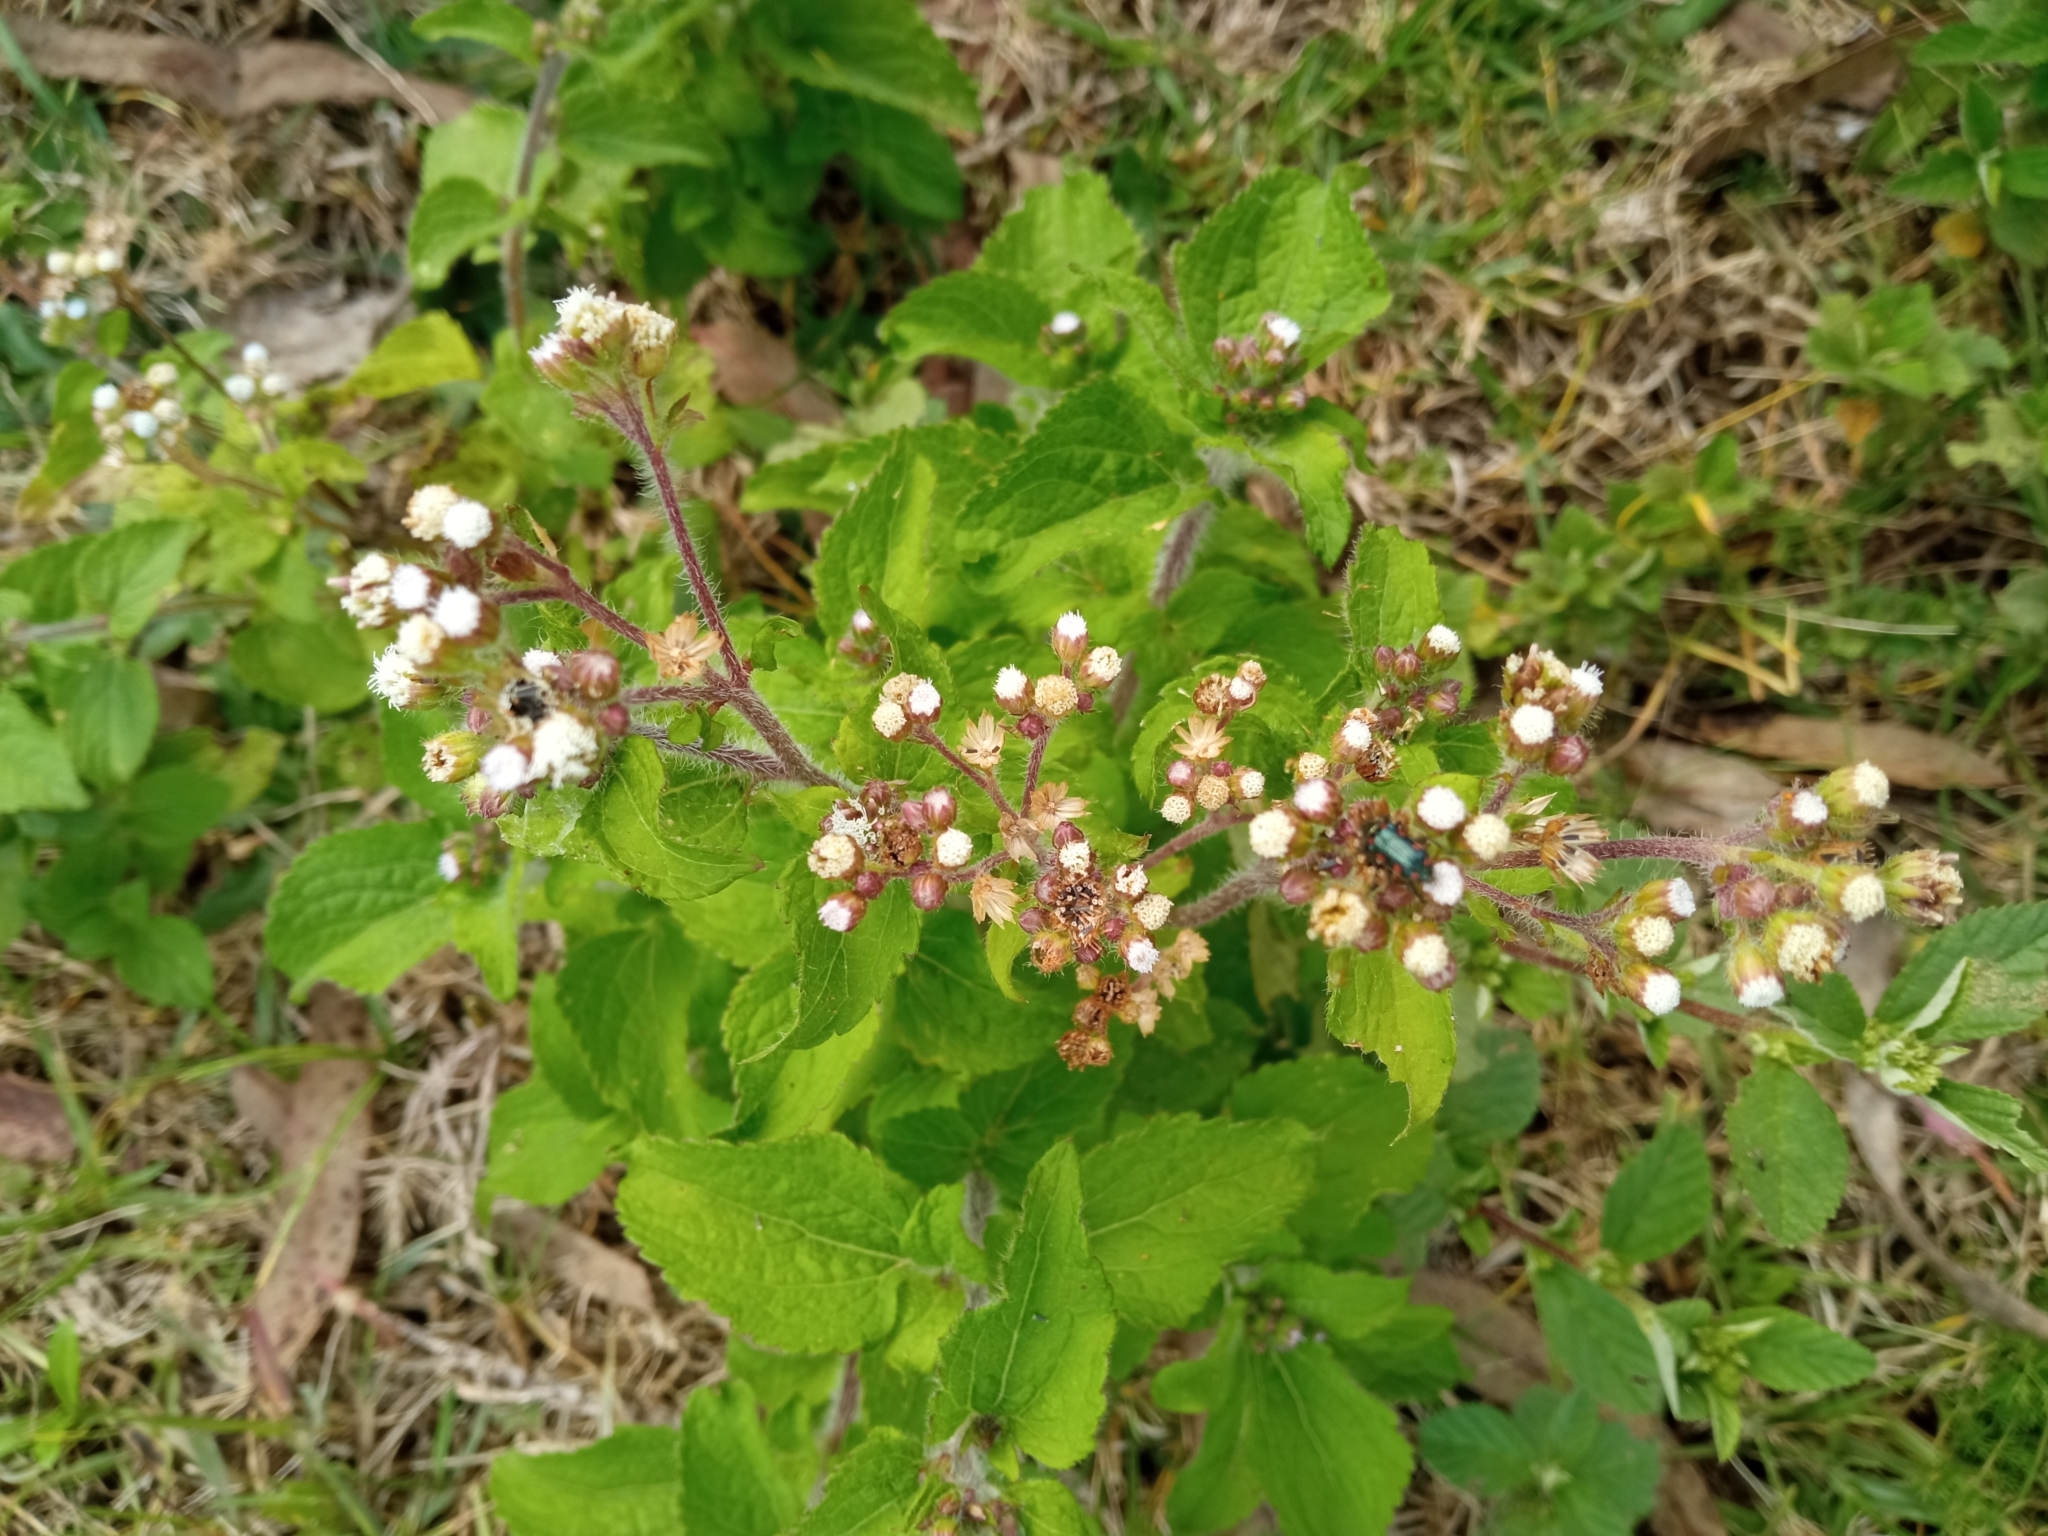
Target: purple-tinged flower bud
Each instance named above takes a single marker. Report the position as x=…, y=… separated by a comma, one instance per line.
x=1085, y=704
x=1044, y=888
x=477, y=718
x=1568, y=757
x=1407, y=664
x=1070, y=637
x=1297, y=885
x=514, y=565
x=1383, y=659
x=1066, y=834
x=842, y=911
x=1031, y=919
x=869, y=884
x=1113, y=928
x=1181, y=773
x=613, y=720
x=1373, y=935
x=594, y=674
x=861, y=623
x=1088, y=951
x=1445, y=699
x=1753, y=897
x=1318, y=800
x=1032, y=726
x=940, y=808
x=914, y=817
x=489, y=804
x=928, y=891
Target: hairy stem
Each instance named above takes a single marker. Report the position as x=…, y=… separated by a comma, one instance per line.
x=985, y=782
x=671, y=693
x=1246, y=885
x=512, y=254
x=570, y=591
x=755, y=765
x=1720, y=1017
x=641, y=433
x=1700, y=852
x=1036, y=766
x=1215, y=822
x=1591, y=929
x=754, y=709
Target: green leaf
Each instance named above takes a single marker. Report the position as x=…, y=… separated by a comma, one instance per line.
x=1991, y=1116
x=360, y=907
x=1288, y=1424
x=880, y=49
x=1002, y=1124
x=627, y=1484
x=126, y=574
x=879, y=541
x=2005, y=985
x=1036, y=1360
x=1364, y=1150
x=902, y=165
x=1349, y=1306
x=951, y=1014
x=1060, y=237
x=62, y=1364
x=1788, y=1151
x=35, y=771
x=1376, y=1006
x=164, y=959
x=542, y=1151
x=419, y=354
x=626, y=996
x=1829, y=1013
x=731, y=1484
x=498, y=23
x=1555, y=1466
x=1153, y=323
x=1792, y=1352
x=625, y=125
x=798, y=1242
x=1103, y=465
x=2019, y=225
x=1170, y=1203
x=1393, y=596
x=784, y=1091
x=451, y=219
x=108, y=716
x=645, y=843
x=873, y=1489
x=1313, y=460
x=320, y=664
x=994, y=320
x=1662, y=1200
x=840, y=976
x=1946, y=178
x=1982, y=119
x=1290, y=245
x=1596, y=1340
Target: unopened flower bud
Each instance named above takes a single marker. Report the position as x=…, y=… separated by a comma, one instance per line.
x=940, y=806
x=1103, y=667
x=1383, y=660
x=1031, y=919
x=1182, y=774
x=913, y=816
x=1297, y=885
x=1070, y=637
x=613, y=720
x=862, y=623
x=594, y=674
x=843, y=910
x=1753, y=897
x=1444, y=700
x=869, y=884
x=1568, y=757
x=928, y=891
x=477, y=718
x=1756, y=981
x=1318, y=800
x=452, y=756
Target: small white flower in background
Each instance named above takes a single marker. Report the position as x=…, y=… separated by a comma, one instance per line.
x=1177, y=809
x=1585, y=681
x=458, y=611
x=419, y=640
x=537, y=661
x=1310, y=765
x=58, y=263
x=106, y=397
x=366, y=592
x=1426, y=955
x=276, y=385
x=564, y=749
x=1074, y=856
x=1251, y=783
x=1660, y=992
x=75, y=307
x=161, y=375
x=504, y=768
x=1271, y=833
x=952, y=848
x=168, y=411
x=1141, y=955
x=1809, y=810
x=1065, y=323
x=142, y=424
x=1131, y=880
x=1441, y=807
x=1446, y=884
x=1532, y=725
x=1283, y=330
x=426, y=513
x=1442, y=642
x=256, y=357
x=411, y=589
x=107, y=260
x=1489, y=836
x=1651, y=935
x=1152, y=911
x=450, y=866
x=240, y=387
x=467, y=524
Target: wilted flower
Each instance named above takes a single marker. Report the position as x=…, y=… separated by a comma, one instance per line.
x=1201, y=739
x=683, y=649
x=833, y=856
x=1050, y=804
x=994, y=899
x=1337, y=916
x=982, y=742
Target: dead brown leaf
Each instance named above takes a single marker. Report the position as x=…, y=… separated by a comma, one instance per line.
x=1918, y=759
x=316, y=333
x=303, y=1122
x=32, y=1124
x=1760, y=34
x=755, y=367
x=1862, y=76
x=575, y=1258
x=228, y=82
x=1689, y=789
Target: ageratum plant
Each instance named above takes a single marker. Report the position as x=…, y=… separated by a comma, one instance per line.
x=961, y=1212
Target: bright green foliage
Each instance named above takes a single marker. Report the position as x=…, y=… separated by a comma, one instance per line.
x=799, y=1242
x=1375, y=1006
x=630, y=1483
x=1595, y=1340
x=1035, y=1360
x=1661, y=1200
x=1553, y=1468
x=360, y=907
x=871, y=1492
x=730, y=1481
x=1788, y=1151
x=2004, y=952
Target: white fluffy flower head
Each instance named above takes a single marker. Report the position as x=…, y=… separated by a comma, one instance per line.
x=1071, y=627
x=426, y=514
x=1660, y=992
x=586, y=314
x=1177, y=809
x=564, y=749
x=952, y=848
x=419, y=640
x=1809, y=810
x=1251, y=783
x=925, y=702
x=1283, y=330
x=1443, y=640
x=1441, y=808
x=1271, y=833
x=240, y=387
x=537, y=661
x=1152, y=911
x=1869, y=787
x=504, y=768
x=1532, y=725
x=467, y=525
x=833, y=856
x=1651, y=934
x=1131, y=879
x=1489, y=836
x=1310, y=765
x=1074, y=856
x=889, y=719
x=106, y=397
x=837, y=915
x=1585, y=681
x=1065, y=323
x=1761, y=992
x=1012, y=686
x=393, y=679
x=449, y=866
x=458, y=611
x=1356, y=735
x=1805, y=951
x=411, y=589
x=1446, y=884
x=1678, y=896
x=1863, y=897
x=1426, y=955
x=1142, y=955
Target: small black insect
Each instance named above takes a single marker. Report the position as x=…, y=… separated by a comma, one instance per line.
x=524, y=699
